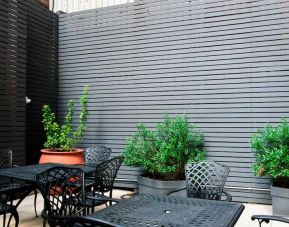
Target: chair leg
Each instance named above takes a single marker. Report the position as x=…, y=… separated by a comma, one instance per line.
x=17, y=204
x=87, y=210
x=44, y=222
x=110, y=196
x=260, y=222
x=4, y=220
x=16, y=217
x=9, y=220
x=10, y=216
x=35, y=200
x=22, y=198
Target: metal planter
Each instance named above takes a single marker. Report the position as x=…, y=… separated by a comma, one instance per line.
x=152, y=186
x=280, y=200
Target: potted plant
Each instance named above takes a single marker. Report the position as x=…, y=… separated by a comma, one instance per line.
x=271, y=148
x=60, y=139
x=163, y=153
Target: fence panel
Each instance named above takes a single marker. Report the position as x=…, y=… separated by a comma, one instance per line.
x=42, y=67
x=223, y=63
x=13, y=77
x=28, y=67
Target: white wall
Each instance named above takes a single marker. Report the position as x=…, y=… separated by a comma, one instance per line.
x=79, y=5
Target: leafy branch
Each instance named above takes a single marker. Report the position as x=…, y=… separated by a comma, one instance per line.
x=65, y=137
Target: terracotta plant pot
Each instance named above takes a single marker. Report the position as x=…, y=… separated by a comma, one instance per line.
x=71, y=157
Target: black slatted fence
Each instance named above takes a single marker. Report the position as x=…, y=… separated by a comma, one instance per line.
x=13, y=36
x=42, y=66
x=28, y=67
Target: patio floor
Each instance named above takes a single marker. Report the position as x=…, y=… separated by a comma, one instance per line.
x=28, y=219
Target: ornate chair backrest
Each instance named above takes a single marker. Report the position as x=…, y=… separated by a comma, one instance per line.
x=105, y=174
x=95, y=155
x=206, y=179
x=5, y=158
x=63, y=191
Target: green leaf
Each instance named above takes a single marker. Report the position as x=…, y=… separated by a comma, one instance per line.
x=64, y=136
x=166, y=149
x=271, y=148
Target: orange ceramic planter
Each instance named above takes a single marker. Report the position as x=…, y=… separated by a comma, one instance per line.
x=73, y=157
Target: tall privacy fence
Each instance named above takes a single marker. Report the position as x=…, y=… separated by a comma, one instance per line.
x=222, y=62
x=28, y=67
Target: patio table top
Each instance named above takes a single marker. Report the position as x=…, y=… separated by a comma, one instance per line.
x=159, y=210
x=29, y=172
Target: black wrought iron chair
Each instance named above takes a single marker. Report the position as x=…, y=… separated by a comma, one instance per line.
x=267, y=218
x=206, y=180
x=96, y=155
x=63, y=191
x=85, y=221
x=11, y=191
x=105, y=174
x=9, y=209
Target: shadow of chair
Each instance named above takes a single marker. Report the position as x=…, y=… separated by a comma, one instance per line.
x=206, y=180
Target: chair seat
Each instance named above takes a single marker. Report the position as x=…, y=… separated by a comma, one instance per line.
x=15, y=191
x=6, y=208
x=89, y=182
x=98, y=200
x=15, y=187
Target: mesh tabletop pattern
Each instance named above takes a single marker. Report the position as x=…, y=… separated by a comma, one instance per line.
x=157, y=210
x=29, y=172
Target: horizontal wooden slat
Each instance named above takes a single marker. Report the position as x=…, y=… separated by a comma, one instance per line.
x=41, y=73
x=13, y=77
x=223, y=63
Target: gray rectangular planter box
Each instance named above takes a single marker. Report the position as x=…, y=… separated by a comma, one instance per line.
x=152, y=186
x=280, y=201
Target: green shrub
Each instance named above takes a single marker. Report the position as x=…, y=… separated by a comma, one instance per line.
x=64, y=136
x=271, y=148
x=167, y=149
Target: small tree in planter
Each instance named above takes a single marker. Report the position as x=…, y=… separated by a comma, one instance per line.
x=62, y=138
x=271, y=148
x=164, y=152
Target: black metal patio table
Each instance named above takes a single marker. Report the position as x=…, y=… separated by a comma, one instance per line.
x=29, y=172
x=159, y=210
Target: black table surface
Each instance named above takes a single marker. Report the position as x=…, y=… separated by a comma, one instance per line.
x=158, y=210
x=29, y=172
